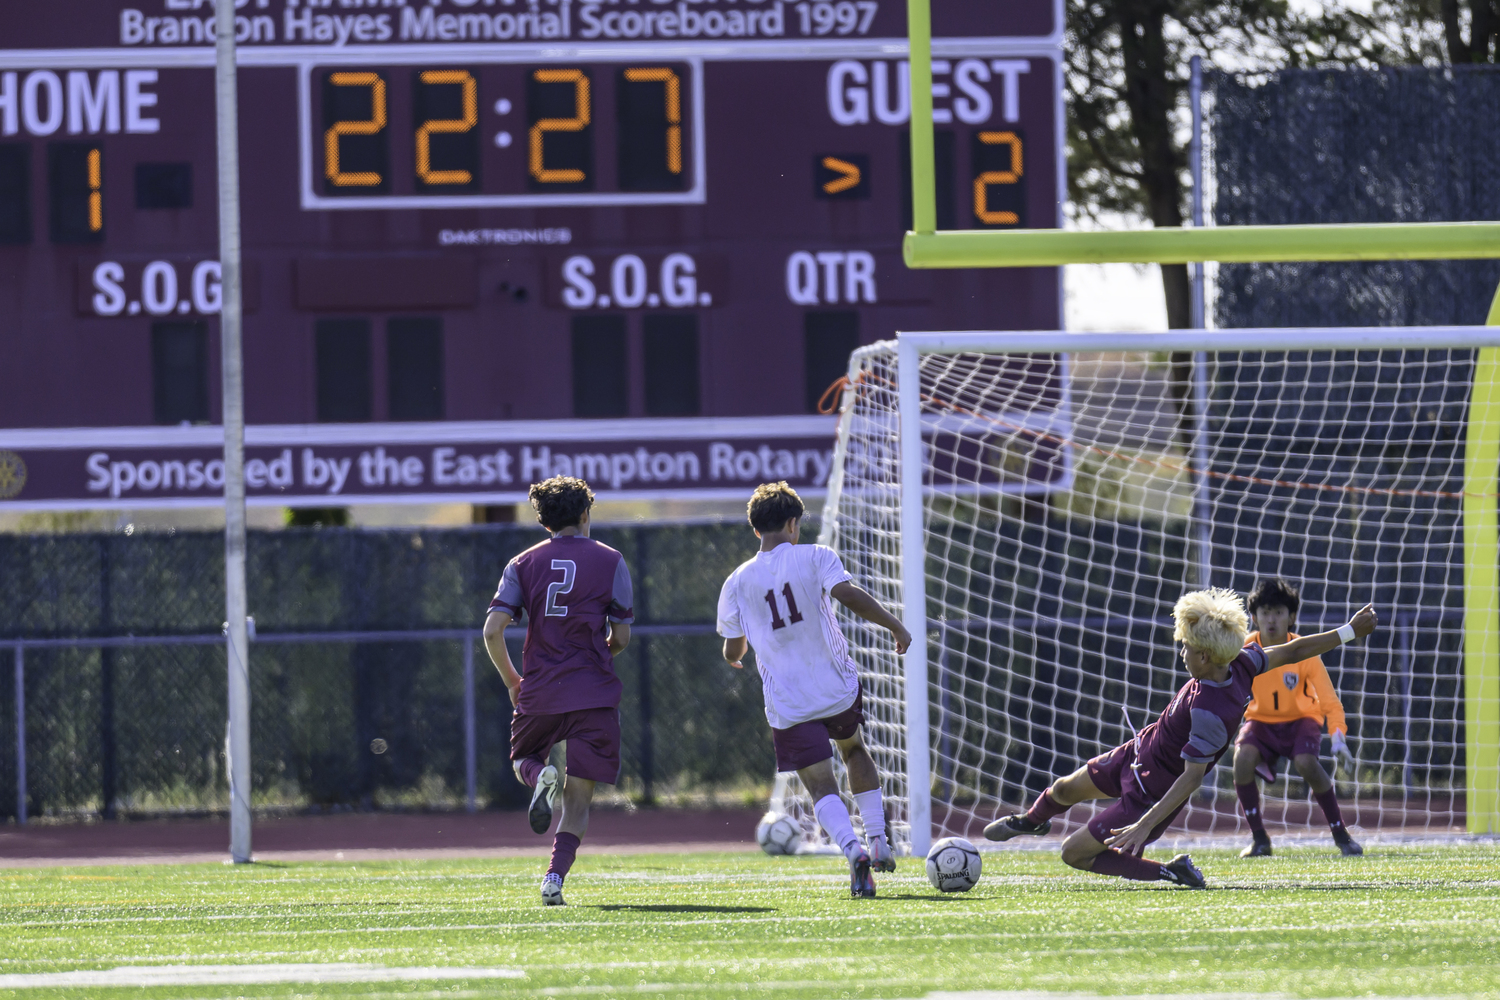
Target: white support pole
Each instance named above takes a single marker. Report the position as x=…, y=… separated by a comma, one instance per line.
x=1195, y=164
x=20, y=734
x=914, y=598
x=471, y=757
x=1202, y=510
x=235, y=600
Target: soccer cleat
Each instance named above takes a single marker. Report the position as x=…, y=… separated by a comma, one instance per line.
x=881, y=858
x=1007, y=827
x=541, y=801
x=861, y=882
x=1348, y=846
x=1260, y=847
x=1181, y=871
x=552, y=891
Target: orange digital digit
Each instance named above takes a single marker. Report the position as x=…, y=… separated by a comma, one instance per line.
x=673, y=108
x=371, y=126
x=539, y=169
x=983, y=181
x=425, y=131
x=96, y=192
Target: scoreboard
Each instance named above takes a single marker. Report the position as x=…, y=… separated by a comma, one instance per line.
x=502, y=210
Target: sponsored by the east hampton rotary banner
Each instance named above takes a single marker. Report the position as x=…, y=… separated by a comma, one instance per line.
x=12, y=474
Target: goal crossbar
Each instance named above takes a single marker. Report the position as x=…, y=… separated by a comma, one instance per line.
x=1226, y=244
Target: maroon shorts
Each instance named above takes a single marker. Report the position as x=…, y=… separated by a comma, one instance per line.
x=1112, y=775
x=806, y=743
x=1275, y=740
x=593, y=736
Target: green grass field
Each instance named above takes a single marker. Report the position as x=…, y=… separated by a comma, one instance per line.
x=1414, y=921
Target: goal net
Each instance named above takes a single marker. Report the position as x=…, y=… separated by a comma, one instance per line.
x=1072, y=487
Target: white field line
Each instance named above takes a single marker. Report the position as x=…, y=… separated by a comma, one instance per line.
x=247, y=975
x=369, y=854
x=551, y=927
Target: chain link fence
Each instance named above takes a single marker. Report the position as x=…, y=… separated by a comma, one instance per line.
x=370, y=687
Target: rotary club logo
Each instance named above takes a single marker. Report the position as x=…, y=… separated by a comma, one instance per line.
x=12, y=474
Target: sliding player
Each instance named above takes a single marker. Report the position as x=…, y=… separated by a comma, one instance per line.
x=577, y=594
x=778, y=602
x=1154, y=774
x=1285, y=719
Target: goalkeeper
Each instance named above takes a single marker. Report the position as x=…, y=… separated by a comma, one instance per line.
x=1152, y=776
x=1285, y=719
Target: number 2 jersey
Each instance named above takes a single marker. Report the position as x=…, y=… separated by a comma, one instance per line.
x=779, y=601
x=569, y=587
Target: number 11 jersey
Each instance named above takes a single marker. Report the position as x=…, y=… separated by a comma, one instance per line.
x=779, y=601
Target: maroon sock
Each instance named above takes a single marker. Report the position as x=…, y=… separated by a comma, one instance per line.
x=564, y=850
x=1330, y=803
x=530, y=767
x=1044, y=808
x=1250, y=802
x=1112, y=862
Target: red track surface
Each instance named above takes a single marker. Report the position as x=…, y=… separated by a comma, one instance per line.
x=370, y=836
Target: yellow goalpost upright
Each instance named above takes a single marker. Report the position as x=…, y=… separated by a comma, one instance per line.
x=926, y=247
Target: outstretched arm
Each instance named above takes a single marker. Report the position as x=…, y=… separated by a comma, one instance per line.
x=863, y=603
x=1305, y=648
x=1132, y=839
x=494, y=644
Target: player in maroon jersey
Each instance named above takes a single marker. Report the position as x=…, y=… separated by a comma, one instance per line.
x=1154, y=774
x=576, y=594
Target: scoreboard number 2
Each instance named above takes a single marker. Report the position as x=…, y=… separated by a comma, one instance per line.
x=999, y=169
x=447, y=105
x=354, y=116
x=572, y=149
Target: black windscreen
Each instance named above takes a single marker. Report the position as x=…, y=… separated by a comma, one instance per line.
x=179, y=372
x=414, y=368
x=828, y=338
x=945, y=167
x=163, y=185
x=599, y=367
x=672, y=365
x=15, y=194
x=343, y=370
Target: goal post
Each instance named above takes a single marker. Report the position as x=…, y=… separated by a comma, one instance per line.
x=1482, y=590
x=1031, y=501
x=926, y=247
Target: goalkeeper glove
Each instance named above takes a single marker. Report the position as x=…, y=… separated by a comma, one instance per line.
x=1341, y=752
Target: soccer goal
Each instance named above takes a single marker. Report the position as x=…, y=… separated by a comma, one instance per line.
x=1037, y=502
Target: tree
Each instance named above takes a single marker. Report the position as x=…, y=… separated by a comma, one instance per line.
x=1127, y=78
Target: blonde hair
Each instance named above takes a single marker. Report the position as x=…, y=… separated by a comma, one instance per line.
x=1212, y=621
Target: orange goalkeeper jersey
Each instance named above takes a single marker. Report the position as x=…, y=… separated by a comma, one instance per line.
x=1295, y=691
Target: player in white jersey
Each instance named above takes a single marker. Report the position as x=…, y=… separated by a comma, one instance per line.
x=779, y=603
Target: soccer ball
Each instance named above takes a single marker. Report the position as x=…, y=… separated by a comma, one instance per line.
x=953, y=865
x=778, y=834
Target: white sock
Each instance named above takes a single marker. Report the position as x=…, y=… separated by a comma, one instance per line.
x=872, y=811
x=833, y=817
